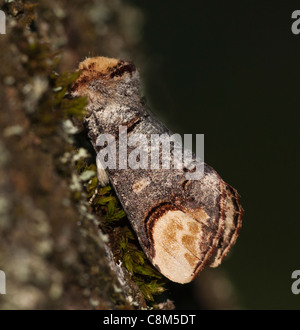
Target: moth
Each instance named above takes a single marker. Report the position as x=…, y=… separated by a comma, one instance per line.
x=182, y=224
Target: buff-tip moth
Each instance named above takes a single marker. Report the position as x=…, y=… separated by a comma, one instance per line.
x=182, y=224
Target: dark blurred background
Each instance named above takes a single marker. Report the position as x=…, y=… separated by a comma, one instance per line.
x=231, y=70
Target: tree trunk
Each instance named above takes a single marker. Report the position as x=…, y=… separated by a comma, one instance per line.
x=52, y=251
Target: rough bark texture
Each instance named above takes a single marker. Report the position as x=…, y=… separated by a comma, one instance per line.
x=51, y=249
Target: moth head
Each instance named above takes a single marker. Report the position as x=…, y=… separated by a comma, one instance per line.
x=103, y=79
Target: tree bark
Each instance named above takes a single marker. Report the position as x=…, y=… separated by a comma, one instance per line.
x=51, y=249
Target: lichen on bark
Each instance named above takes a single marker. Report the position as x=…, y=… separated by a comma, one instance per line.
x=51, y=248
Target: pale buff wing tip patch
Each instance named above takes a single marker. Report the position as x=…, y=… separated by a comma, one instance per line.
x=176, y=237
x=184, y=243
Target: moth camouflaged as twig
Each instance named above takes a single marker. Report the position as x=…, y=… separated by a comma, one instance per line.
x=182, y=224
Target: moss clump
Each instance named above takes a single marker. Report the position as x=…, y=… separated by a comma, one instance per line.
x=149, y=280
x=69, y=108
x=125, y=244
